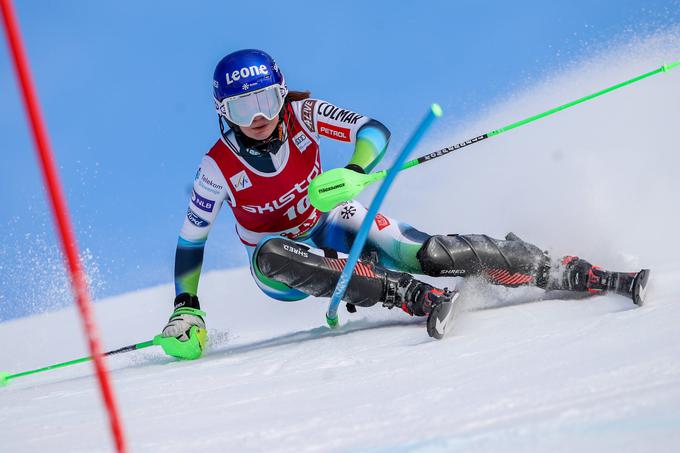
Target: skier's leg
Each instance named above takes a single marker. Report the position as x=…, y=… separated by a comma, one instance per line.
x=396, y=244
x=514, y=262
x=511, y=262
x=315, y=272
x=270, y=287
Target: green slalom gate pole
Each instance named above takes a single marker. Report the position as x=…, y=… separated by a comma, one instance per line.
x=338, y=185
x=6, y=377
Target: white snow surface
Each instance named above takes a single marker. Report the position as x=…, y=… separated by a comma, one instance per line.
x=516, y=374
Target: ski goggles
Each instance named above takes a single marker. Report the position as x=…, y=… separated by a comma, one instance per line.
x=242, y=110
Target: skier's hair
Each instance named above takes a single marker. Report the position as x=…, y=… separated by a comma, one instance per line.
x=293, y=96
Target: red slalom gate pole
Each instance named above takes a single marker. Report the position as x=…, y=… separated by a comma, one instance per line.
x=60, y=212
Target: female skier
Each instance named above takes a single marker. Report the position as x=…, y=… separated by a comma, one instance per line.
x=261, y=166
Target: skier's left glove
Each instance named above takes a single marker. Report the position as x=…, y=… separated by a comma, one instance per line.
x=185, y=334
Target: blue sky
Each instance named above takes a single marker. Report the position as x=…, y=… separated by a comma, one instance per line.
x=126, y=92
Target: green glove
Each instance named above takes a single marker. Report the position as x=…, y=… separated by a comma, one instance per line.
x=185, y=334
x=335, y=186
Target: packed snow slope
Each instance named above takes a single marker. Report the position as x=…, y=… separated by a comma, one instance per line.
x=517, y=373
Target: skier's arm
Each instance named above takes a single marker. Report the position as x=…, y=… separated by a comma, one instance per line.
x=371, y=142
x=209, y=191
x=370, y=137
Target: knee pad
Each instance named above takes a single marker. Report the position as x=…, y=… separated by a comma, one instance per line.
x=265, y=255
x=511, y=262
x=269, y=253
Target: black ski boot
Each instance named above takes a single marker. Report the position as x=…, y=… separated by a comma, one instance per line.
x=580, y=275
x=421, y=299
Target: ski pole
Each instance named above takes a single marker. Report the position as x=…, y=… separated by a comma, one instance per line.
x=433, y=113
x=6, y=377
x=338, y=185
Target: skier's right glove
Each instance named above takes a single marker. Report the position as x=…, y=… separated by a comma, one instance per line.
x=185, y=334
x=356, y=168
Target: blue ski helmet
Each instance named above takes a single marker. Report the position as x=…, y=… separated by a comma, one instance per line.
x=248, y=83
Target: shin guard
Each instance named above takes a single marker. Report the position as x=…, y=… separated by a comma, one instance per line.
x=510, y=262
x=316, y=272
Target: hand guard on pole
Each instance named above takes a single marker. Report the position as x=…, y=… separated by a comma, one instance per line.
x=185, y=335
